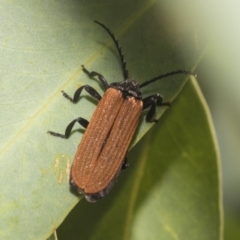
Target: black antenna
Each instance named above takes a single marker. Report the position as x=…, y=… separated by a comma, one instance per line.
x=123, y=62
x=166, y=75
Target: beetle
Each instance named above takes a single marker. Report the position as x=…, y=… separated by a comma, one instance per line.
x=101, y=153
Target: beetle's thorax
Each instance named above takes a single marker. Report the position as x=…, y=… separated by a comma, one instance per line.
x=129, y=88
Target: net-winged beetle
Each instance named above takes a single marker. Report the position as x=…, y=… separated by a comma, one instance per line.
x=101, y=153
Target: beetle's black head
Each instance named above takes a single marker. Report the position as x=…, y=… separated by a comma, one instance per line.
x=129, y=88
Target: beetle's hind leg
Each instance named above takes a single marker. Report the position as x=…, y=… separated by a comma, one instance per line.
x=125, y=164
x=94, y=74
x=152, y=102
x=83, y=122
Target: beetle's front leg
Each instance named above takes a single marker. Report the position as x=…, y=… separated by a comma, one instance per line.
x=151, y=102
x=94, y=74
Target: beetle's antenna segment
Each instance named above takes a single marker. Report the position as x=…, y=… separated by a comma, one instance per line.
x=123, y=62
x=166, y=75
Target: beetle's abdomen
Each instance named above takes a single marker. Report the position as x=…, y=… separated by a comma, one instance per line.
x=112, y=156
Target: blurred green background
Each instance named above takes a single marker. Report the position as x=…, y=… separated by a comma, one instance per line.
x=219, y=78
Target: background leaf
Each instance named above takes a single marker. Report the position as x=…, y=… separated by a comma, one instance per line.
x=43, y=44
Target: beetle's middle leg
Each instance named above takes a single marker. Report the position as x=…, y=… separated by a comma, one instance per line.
x=77, y=94
x=152, y=102
x=83, y=122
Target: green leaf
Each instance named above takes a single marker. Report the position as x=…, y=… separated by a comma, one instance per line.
x=43, y=44
x=171, y=189
x=53, y=236
x=231, y=226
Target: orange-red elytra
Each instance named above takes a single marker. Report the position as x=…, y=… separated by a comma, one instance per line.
x=101, y=153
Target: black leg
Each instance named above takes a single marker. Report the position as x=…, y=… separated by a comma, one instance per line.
x=151, y=102
x=83, y=122
x=94, y=74
x=76, y=96
x=125, y=163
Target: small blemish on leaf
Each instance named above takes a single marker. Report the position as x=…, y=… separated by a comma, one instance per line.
x=68, y=169
x=62, y=168
x=60, y=177
x=56, y=164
